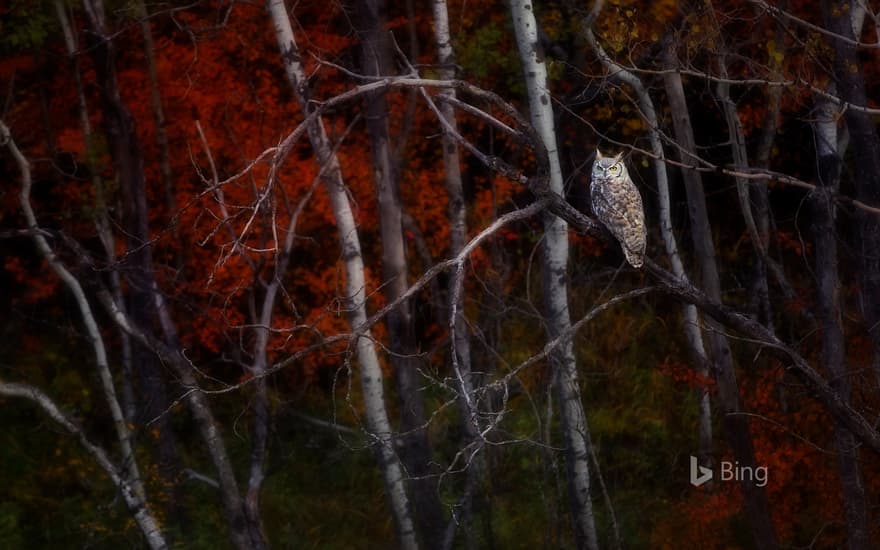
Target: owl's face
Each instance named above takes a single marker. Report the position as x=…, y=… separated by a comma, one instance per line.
x=608, y=168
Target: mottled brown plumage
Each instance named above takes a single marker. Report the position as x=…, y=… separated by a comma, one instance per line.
x=618, y=205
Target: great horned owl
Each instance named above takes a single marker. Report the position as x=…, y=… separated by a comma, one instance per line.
x=618, y=205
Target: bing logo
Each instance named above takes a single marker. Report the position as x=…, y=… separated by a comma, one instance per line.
x=730, y=471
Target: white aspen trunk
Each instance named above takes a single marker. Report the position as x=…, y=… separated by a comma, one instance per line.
x=456, y=210
x=555, y=255
x=460, y=340
x=691, y=320
x=129, y=479
x=136, y=505
x=355, y=287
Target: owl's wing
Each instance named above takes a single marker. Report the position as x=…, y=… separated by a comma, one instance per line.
x=633, y=206
x=619, y=203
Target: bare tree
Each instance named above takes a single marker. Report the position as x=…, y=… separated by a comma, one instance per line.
x=147, y=302
x=690, y=318
x=838, y=16
x=127, y=479
x=575, y=431
x=102, y=221
x=156, y=105
x=137, y=266
x=735, y=425
x=833, y=343
x=415, y=450
x=460, y=353
x=489, y=399
x=355, y=292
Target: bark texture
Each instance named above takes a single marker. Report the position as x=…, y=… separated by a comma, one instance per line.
x=734, y=424
x=355, y=289
x=831, y=322
x=554, y=283
x=690, y=317
x=850, y=83
x=415, y=449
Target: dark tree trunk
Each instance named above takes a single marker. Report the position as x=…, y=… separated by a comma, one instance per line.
x=125, y=150
x=866, y=156
x=415, y=451
x=850, y=85
x=734, y=425
x=146, y=305
x=833, y=348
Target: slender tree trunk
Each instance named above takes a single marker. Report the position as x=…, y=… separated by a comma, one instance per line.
x=245, y=531
x=555, y=285
x=260, y=418
x=128, y=479
x=415, y=450
x=156, y=105
x=260, y=399
x=760, y=296
x=690, y=317
x=146, y=301
x=242, y=533
x=743, y=188
x=456, y=213
x=866, y=148
x=760, y=199
x=102, y=222
x=128, y=161
x=119, y=126
x=136, y=505
x=355, y=289
x=833, y=341
x=734, y=424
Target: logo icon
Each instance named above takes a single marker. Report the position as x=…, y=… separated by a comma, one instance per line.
x=699, y=474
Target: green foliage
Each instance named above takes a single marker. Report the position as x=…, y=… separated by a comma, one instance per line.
x=488, y=53
x=480, y=55
x=26, y=25
x=322, y=492
x=11, y=530
x=56, y=496
x=639, y=420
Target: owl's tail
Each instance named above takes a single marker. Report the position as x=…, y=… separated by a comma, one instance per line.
x=635, y=258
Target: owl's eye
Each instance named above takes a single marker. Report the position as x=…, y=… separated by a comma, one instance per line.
x=615, y=168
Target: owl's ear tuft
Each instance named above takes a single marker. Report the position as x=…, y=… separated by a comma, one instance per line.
x=599, y=154
x=618, y=156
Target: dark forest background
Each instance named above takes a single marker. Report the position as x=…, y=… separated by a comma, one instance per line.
x=325, y=274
